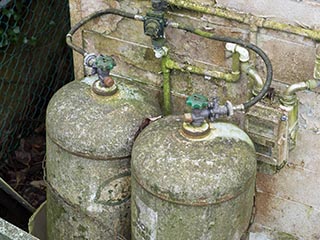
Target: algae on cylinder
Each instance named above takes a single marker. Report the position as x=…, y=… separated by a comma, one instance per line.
x=192, y=188
x=89, y=141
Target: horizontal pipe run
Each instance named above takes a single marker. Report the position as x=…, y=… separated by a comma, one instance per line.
x=96, y=14
x=242, y=43
x=309, y=84
x=228, y=77
x=247, y=19
x=296, y=87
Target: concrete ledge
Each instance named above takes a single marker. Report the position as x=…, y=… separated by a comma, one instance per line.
x=11, y=232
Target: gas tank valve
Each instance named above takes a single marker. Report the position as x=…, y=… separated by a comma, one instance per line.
x=102, y=65
x=203, y=109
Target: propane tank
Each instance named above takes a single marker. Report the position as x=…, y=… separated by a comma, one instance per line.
x=91, y=126
x=192, y=180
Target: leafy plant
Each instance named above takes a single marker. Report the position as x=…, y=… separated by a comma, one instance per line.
x=11, y=16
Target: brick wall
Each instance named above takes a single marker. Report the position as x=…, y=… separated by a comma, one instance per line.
x=288, y=202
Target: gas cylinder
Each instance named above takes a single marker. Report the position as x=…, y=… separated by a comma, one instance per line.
x=91, y=125
x=192, y=181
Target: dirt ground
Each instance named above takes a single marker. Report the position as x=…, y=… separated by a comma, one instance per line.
x=23, y=170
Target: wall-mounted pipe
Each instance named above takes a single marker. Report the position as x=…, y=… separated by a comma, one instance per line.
x=316, y=71
x=88, y=18
x=246, y=18
x=167, y=64
x=243, y=52
x=240, y=50
x=307, y=85
x=296, y=87
x=167, y=107
x=250, y=46
x=289, y=100
x=231, y=76
x=244, y=57
x=254, y=75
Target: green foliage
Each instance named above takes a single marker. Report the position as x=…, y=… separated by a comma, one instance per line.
x=11, y=18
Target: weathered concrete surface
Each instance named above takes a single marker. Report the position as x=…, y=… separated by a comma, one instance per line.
x=133, y=59
x=104, y=127
x=289, y=201
x=195, y=49
x=76, y=16
x=88, y=198
x=192, y=189
x=89, y=141
x=37, y=225
x=261, y=233
x=292, y=57
x=306, y=13
x=287, y=216
x=11, y=232
x=306, y=154
x=303, y=181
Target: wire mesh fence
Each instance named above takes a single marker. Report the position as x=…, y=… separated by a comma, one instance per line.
x=34, y=63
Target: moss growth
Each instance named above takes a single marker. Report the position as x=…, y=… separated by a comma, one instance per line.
x=285, y=236
x=82, y=228
x=54, y=213
x=247, y=18
x=269, y=168
x=167, y=108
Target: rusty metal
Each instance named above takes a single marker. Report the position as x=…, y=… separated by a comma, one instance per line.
x=102, y=90
x=191, y=131
x=83, y=155
x=268, y=127
x=202, y=203
x=108, y=81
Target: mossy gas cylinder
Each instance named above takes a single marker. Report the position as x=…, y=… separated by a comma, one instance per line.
x=192, y=181
x=91, y=126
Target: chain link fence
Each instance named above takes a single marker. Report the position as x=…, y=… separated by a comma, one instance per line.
x=34, y=63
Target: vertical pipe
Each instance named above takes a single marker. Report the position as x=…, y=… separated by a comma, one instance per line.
x=257, y=84
x=167, y=108
x=316, y=72
x=235, y=63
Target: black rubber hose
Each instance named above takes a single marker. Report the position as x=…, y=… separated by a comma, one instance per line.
x=242, y=43
x=89, y=18
x=199, y=32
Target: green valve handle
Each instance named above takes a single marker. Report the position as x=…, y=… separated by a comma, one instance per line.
x=105, y=63
x=197, y=101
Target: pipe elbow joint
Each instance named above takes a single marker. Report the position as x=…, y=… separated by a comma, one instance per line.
x=313, y=83
x=243, y=52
